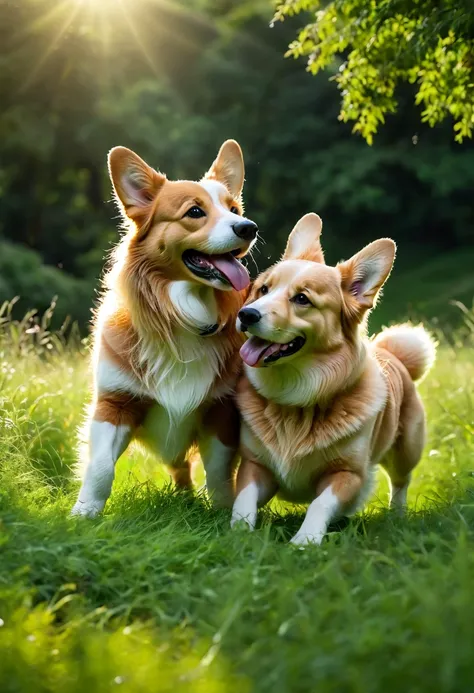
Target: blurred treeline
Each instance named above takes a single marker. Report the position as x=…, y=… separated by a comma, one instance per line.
x=172, y=80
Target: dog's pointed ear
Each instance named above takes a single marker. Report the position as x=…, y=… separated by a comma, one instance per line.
x=228, y=168
x=304, y=241
x=135, y=183
x=364, y=275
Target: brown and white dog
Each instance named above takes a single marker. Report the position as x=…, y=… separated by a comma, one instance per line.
x=321, y=404
x=166, y=344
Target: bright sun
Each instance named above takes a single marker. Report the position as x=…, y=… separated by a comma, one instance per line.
x=98, y=4
x=102, y=6
x=97, y=13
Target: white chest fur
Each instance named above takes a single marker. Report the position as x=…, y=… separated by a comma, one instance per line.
x=169, y=437
x=196, y=303
x=178, y=376
x=177, y=385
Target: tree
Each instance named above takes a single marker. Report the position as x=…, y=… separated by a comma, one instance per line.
x=173, y=88
x=382, y=43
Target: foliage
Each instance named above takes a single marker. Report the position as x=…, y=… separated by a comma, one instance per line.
x=77, y=78
x=380, y=44
x=22, y=274
x=159, y=594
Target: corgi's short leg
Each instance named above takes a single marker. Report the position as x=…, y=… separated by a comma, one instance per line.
x=106, y=443
x=256, y=485
x=338, y=491
x=398, y=495
x=407, y=451
x=180, y=472
x=218, y=447
x=219, y=462
x=170, y=439
x=108, y=434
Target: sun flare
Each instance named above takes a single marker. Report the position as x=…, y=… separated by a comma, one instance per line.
x=106, y=24
x=96, y=9
x=100, y=6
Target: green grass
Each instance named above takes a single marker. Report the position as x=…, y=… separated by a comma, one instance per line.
x=159, y=594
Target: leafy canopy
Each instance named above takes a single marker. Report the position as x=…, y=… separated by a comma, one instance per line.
x=195, y=73
x=381, y=43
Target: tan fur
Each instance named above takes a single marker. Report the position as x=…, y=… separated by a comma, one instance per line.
x=292, y=433
x=253, y=471
x=222, y=420
x=303, y=243
x=137, y=307
x=411, y=345
x=143, y=265
x=121, y=409
x=344, y=483
x=323, y=417
x=141, y=338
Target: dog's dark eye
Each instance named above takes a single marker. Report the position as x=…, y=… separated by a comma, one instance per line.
x=195, y=212
x=234, y=210
x=301, y=300
x=264, y=290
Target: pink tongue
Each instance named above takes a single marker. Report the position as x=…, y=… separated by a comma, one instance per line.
x=232, y=269
x=254, y=348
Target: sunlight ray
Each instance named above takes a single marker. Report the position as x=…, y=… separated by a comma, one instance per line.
x=105, y=33
x=185, y=12
x=52, y=45
x=42, y=22
x=138, y=40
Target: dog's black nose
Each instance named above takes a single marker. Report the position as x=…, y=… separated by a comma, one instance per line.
x=245, y=229
x=249, y=316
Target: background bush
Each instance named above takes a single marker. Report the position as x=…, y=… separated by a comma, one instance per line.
x=78, y=78
x=23, y=274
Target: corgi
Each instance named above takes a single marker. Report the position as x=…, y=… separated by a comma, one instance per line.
x=165, y=356
x=321, y=405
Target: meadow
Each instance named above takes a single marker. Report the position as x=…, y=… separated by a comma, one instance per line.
x=159, y=595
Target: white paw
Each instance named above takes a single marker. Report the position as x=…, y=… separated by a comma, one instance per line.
x=302, y=539
x=87, y=508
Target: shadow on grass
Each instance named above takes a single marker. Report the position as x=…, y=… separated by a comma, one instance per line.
x=149, y=508
x=161, y=554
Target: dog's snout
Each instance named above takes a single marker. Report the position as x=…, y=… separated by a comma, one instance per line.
x=245, y=229
x=249, y=316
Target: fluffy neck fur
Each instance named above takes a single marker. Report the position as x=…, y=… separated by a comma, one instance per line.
x=147, y=335
x=141, y=288
x=314, y=380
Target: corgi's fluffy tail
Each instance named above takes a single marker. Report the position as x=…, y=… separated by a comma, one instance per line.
x=412, y=345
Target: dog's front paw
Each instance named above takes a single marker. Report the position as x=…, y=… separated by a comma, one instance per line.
x=87, y=508
x=303, y=539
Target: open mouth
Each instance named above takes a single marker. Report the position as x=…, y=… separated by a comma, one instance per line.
x=224, y=268
x=255, y=350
